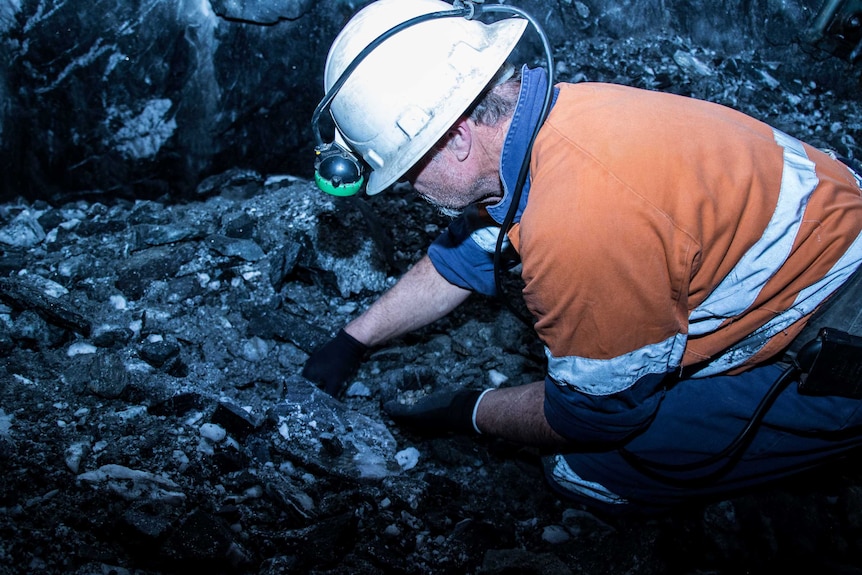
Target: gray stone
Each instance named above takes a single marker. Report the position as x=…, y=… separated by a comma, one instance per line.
x=324, y=434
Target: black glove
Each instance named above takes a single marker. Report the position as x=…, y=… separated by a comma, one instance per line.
x=438, y=413
x=331, y=365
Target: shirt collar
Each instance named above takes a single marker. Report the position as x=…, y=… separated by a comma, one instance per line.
x=527, y=113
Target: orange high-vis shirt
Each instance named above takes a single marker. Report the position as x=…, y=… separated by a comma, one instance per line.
x=663, y=232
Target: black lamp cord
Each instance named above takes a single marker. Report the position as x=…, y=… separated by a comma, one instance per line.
x=525, y=164
x=730, y=454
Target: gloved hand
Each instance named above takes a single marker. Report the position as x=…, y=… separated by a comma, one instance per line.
x=438, y=413
x=331, y=365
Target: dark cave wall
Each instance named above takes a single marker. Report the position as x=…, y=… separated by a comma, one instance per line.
x=730, y=26
x=145, y=99
x=141, y=99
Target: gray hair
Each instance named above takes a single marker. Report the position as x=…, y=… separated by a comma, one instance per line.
x=499, y=100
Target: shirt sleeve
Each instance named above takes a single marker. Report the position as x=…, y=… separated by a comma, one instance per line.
x=464, y=252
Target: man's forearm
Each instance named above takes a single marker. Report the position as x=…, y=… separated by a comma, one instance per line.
x=517, y=414
x=420, y=297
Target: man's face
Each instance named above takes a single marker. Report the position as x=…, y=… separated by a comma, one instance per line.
x=451, y=185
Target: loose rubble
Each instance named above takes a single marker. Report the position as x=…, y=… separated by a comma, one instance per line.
x=153, y=419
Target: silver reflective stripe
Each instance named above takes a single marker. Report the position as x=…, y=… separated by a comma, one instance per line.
x=567, y=479
x=797, y=178
x=486, y=238
x=607, y=376
x=738, y=290
x=730, y=298
x=807, y=300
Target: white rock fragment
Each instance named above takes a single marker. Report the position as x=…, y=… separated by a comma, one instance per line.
x=347, y=308
x=407, y=458
x=132, y=412
x=690, y=63
x=134, y=484
x=582, y=9
x=255, y=349
x=21, y=379
x=75, y=453
x=81, y=348
x=135, y=326
x=284, y=428
x=23, y=231
x=48, y=287
x=769, y=79
x=555, y=534
x=213, y=432
x=369, y=464
x=496, y=378
x=358, y=389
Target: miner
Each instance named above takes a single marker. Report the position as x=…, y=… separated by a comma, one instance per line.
x=690, y=270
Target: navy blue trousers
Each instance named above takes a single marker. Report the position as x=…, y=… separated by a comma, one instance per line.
x=697, y=419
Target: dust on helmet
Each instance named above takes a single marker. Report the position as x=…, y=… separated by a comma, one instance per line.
x=415, y=85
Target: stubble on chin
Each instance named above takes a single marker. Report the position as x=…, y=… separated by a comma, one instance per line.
x=483, y=191
x=450, y=212
x=443, y=209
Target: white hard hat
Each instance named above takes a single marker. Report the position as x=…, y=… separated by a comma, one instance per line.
x=414, y=86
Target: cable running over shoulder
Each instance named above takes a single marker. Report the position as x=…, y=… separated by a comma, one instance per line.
x=525, y=164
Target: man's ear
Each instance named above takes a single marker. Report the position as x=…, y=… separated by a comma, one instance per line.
x=460, y=139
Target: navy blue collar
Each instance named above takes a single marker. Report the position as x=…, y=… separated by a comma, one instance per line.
x=526, y=115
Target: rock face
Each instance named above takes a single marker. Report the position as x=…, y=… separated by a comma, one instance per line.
x=145, y=99
x=153, y=419
x=142, y=99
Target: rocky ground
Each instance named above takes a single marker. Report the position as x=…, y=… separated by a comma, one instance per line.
x=153, y=420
